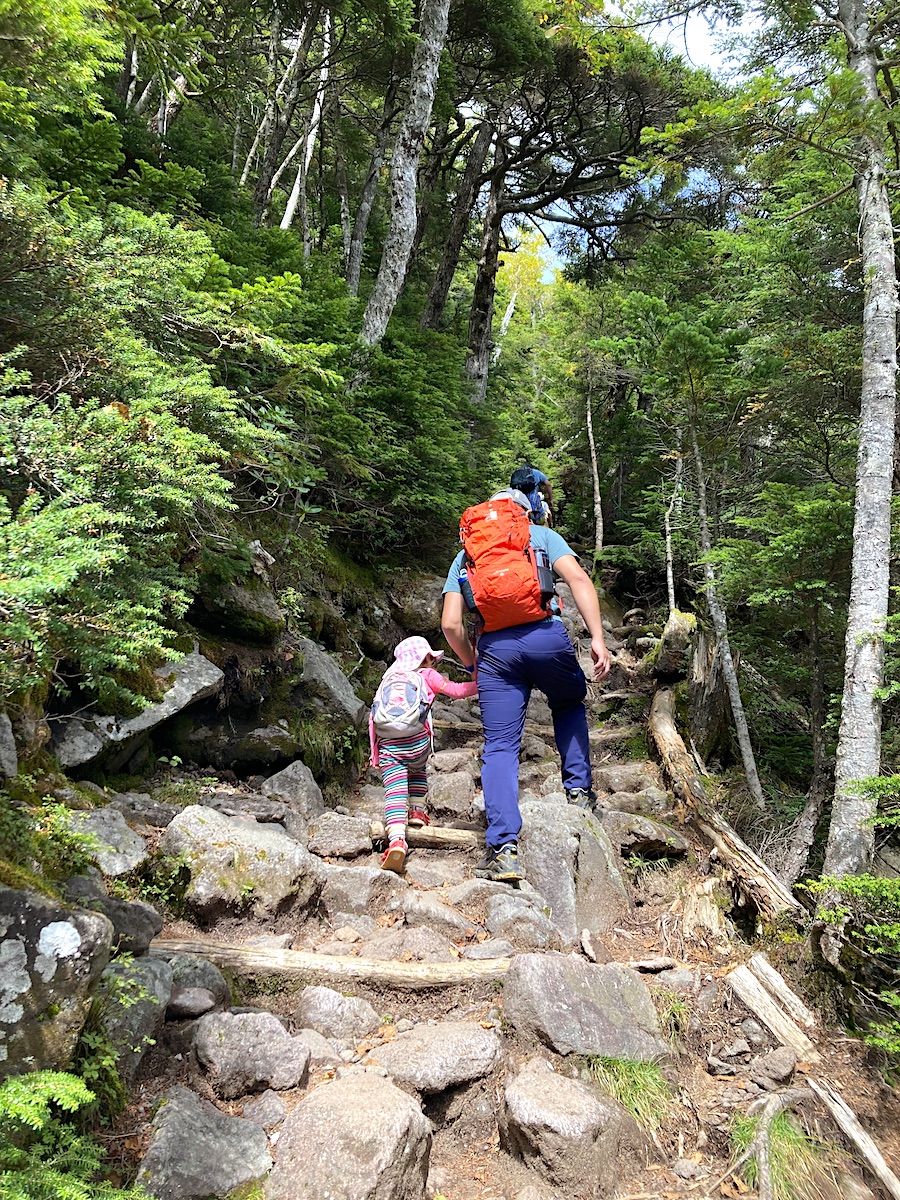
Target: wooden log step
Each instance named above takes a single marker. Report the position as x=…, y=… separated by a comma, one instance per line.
x=434, y=837
x=325, y=968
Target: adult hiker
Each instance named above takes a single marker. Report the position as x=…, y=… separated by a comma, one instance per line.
x=539, y=490
x=400, y=738
x=504, y=569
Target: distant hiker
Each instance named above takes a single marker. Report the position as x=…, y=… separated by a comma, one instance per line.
x=539, y=490
x=401, y=739
x=504, y=570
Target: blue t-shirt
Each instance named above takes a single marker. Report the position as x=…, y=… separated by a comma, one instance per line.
x=541, y=536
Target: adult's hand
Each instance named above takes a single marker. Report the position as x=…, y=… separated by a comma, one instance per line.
x=600, y=655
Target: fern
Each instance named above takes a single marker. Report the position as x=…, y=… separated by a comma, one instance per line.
x=42, y=1156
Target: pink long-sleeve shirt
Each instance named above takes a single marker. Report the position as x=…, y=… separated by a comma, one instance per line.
x=435, y=684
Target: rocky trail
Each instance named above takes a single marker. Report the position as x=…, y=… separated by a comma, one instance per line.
x=312, y=1026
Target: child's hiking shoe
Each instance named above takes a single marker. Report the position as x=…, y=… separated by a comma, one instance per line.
x=394, y=858
x=417, y=818
x=501, y=864
x=585, y=798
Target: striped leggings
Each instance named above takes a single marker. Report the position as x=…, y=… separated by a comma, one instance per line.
x=402, y=764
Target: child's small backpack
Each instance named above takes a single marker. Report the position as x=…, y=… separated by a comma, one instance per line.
x=401, y=705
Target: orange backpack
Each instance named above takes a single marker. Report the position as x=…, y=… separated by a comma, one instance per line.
x=502, y=565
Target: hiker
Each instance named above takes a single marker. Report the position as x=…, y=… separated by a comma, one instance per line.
x=505, y=569
x=400, y=738
x=539, y=490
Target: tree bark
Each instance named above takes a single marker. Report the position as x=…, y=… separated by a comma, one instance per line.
x=462, y=211
x=595, y=480
x=851, y=835
x=340, y=170
x=804, y=832
x=298, y=191
x=370, y=188
x=404, y=165
x=481, y=315
x=128, y=78
x=272, y=99
x=667, y=523
x=170, y=105
x=429, y=181
x=720, y=625
x=504, y=327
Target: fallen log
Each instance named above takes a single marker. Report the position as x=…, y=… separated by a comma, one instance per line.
x=433, y=837
x=260, y=960
x=765, y=1008
x=848, y=1123
x=775, y=983
x=761, y=884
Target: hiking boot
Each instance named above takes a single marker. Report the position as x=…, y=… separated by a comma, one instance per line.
x=501, y=864
x=585, y=798
x=394, y=858
x=417, y=818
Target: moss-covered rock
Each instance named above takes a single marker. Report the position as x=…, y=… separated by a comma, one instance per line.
x=247, y=609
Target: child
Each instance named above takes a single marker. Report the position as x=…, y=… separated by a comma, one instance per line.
x=401, y=758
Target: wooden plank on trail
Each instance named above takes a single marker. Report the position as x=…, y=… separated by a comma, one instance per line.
x=324, y=968
x=751, y=992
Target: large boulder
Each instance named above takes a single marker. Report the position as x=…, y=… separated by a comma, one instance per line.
x=359, y=889
x=357, y=1138
x=298, y=789
x=636, y=835
x=80, y=740
x=192, y=971
x=519, y=917
x=324, y=681
x=197, y=1152
x=568, y=858
x=135, y=996
x=248, y=1052
x=333, y=1015
x=575, y=1007
x=432, y=1058
x=9, y=759
x=136, y=924
x=232, y=862
x=572, y=1136
x=50, y=959
x=333, y=835
x=417, y=604
x=117, y=849
x=626, y=777
x=247, y=609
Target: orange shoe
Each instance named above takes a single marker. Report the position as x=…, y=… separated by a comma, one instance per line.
x=417, y=818
x=394, y=858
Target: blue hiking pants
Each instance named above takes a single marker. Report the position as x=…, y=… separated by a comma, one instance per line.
x=510, y=663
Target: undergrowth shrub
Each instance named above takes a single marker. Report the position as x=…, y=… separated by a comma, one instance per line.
x=803, y=1168
x=43, y=1154
x=638, y=1086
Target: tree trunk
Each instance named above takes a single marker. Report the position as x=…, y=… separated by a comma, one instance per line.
x=851, y=835
x=370, y=188
x=279, y=121
x=804, y=831
x=504, y=327
x=170, y=105
x=462, y=211
x=299, y=189
x=340, y=171
x=481, y=314
x=143, y=101
x=236, y=141
x=717, y=614
x=128, y=78
x=667, y=522
x=404, y=165
x=428, y=184
x=272, y=99
x=595, y=481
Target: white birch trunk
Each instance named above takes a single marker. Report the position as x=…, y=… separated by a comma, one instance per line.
x=504, y=327
x=404, y=165
x=851, y=835
x=595, y=480
x=130, y=75
x=667, y=522
x=299, y=187
x=272, y=101
x=720, y=625
x=143, y=101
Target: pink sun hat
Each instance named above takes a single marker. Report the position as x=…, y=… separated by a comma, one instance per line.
x=412, y=651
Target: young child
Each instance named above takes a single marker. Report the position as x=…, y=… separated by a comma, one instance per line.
x=402, y=759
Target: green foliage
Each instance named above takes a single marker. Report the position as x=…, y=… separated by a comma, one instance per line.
x=42, y=1155
x=39, y=835
x=802, y=1167
x=638, y=1086
x=672, y=1010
